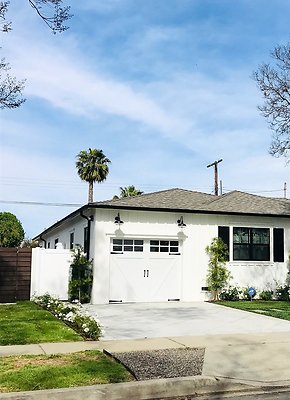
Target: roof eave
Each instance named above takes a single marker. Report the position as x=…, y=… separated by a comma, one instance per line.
x=63, y=220
x=189, y=211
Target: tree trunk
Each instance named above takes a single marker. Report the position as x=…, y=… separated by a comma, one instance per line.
x=215, y=295
x=91, y=191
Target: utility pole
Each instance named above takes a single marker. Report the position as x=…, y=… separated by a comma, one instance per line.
x=285, y=190
x=216, y=186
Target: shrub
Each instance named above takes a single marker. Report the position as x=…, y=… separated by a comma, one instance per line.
x=231, y=293
x=266, y=295
x=245, y=294
x=282, y=293
x=218, y=275
x=80, y=285
x=71, y=315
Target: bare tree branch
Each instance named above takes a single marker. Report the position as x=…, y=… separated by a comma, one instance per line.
x=6, y=26
x=274, y=83
x=10, y=88
x=54, y=15
x=55, y=21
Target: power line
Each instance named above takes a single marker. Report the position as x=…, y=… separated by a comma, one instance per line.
x=50, y=184
x=36, y=203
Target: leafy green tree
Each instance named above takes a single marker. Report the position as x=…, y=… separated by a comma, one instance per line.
x=129, y=191
x=218, y=275
x=92, y=166
x=273, y=80
x=11, y=230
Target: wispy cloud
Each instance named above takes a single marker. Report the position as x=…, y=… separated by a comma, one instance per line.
x=58, y=79
x=162, y=90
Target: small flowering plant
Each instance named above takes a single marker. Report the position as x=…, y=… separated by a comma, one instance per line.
x=72, y=315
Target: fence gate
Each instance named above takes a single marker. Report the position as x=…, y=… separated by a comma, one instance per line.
x=15, y=274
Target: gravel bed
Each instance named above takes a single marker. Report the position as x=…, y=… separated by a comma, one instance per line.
x=166, y=363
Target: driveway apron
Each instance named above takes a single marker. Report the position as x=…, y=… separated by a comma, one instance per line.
x=151, y=320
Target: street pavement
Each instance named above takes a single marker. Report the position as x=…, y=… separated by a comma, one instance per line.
x=242, y=350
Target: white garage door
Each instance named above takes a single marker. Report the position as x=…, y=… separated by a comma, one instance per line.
x=145, y=270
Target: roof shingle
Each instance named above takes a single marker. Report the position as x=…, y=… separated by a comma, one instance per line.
x=234, y=202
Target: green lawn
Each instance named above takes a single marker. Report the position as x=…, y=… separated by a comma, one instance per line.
x=278, y=309
x=25, y=322
x=22, y=373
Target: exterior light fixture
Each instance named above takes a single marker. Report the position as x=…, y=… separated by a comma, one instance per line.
x=118, y=220
x=180, y=222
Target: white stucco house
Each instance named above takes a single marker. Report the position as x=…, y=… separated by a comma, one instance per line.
x=152, y=247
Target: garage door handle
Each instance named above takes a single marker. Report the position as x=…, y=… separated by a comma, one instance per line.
x=146, y=273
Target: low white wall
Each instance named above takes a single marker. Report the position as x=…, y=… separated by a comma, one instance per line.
x=50, y=272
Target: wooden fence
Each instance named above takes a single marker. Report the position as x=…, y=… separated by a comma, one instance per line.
x=15, y=274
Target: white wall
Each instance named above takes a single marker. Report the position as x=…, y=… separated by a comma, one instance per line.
x=62, y=233
x=199, y=231
x=50, y=272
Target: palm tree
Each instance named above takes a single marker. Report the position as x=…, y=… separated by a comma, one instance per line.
x=92, y=166
x=130, y=191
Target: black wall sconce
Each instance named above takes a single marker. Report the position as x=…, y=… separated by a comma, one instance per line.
x=180, y=222
x=118, y=219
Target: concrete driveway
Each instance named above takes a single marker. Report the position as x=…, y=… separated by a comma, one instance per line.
x=151, y=320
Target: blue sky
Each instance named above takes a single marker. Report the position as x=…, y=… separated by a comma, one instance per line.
x=163, y=87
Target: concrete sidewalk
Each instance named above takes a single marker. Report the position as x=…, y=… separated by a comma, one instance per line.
x=230, y=361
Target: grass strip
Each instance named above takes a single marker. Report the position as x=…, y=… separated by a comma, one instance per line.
x=277, y=309
x=23, y=373
x=25, y=322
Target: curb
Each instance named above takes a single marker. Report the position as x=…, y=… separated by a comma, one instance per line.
x=142, y=390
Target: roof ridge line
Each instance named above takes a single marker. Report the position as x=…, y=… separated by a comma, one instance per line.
x=151, y=193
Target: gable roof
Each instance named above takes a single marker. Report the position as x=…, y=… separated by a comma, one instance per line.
x=244, y=203
x=234, y=202
x=187, y=201
x=171, y=199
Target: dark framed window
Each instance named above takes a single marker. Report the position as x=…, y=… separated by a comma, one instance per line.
x=127, y=245
x=55, y=242
x=251, y=244
x=71, y=240
x=48, y=245
x=164, y=246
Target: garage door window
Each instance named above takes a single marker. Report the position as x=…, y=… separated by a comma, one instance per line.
x=164, y=246
x=127, y=245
